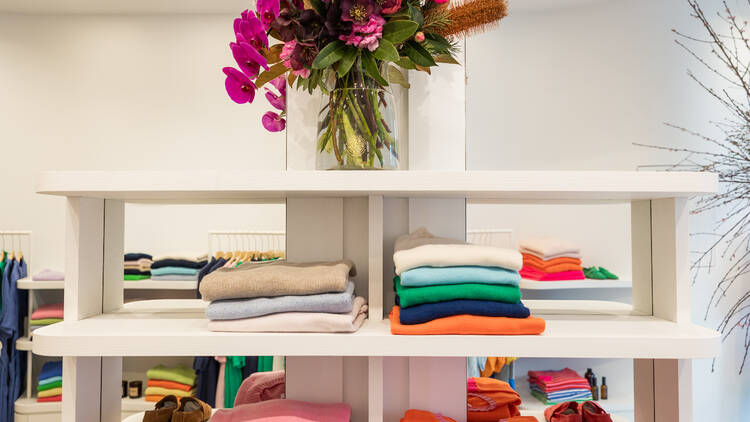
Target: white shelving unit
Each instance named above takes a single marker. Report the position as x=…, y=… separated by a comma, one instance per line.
x=146, y=284
x=357, y=215
x=575, y=284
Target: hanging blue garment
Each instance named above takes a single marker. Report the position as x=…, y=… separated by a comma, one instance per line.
x=8, y=308
x=207, y=377
x=18, y=357
x=12, y=361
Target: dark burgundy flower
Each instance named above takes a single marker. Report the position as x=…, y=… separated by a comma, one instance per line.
x=359, y=11
x=303, y=55
x=286, y=24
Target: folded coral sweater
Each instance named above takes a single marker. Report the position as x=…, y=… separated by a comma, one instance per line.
x=555, y=265
x=54, y=310
x=432, y=276
x=300, y=322
x=180, y=373
x=277, y=278
x=532, y=274
x=413, y=415
x=247, y=308
x=422, y=249
x=549, y=247
x=468, y=324
x=49, y=399
x=285, y=410
x=412, y=296
x=431, y=311
x=169, y=384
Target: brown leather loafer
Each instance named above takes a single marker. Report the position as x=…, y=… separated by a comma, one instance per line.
x=163, y=410
x=192, y=410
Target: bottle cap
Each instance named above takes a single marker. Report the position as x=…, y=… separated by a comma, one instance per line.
x=604, y=380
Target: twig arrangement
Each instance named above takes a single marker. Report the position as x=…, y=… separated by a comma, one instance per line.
x=729, y=157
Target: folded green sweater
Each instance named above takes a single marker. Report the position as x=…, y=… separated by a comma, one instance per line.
x=180, y=373
x=411, y=296
x=45, y=321
x=49, y=386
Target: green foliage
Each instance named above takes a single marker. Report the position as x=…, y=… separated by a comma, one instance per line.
x=371, y=67
x=386, y=51
x=397, y=77
x=346, y=62
x=418, y=54
x=399, y=31
x=329, y=55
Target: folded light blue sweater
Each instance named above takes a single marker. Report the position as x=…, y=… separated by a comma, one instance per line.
x=174, y=271
x=431, y=276
x=332, y=303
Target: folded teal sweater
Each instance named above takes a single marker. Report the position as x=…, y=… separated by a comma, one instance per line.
x=431, y=276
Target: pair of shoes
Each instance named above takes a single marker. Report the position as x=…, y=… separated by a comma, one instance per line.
x=172, y=409
x=600, y=273
x=571, y=411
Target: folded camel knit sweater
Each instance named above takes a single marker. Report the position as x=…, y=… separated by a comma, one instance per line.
x=432, y=276
x=277, y=278
x=468, y=325
x=412, y=296
x=335, y=303
x=299, y=322
x=422, y=249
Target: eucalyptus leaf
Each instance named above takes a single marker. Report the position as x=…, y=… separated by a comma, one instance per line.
x=396, y=76
x=418, y=54
x=399, y=31
x=329, y=55
x=371, y=67
x=346, y=62
x=386, y=51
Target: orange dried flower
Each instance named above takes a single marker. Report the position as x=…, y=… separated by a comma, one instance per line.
x=473, y=16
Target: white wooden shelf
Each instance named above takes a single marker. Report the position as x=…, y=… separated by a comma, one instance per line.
x=29, y=406
x=29, y=284
x=136, y=405
x=575, y=284
x=149, y=284
x=151, y=329
x=229, y=186
x=24, y=343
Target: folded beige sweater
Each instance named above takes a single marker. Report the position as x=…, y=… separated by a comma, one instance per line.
x=277, y=278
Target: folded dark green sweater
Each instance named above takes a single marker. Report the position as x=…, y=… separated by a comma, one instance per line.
x=411, y=296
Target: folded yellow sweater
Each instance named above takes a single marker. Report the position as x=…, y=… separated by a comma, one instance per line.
x=51, y=392
x=161, y=391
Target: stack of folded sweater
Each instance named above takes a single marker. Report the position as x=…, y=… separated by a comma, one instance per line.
x=137, y=266
x=50, y=382
x=279, y=296
x=550, y=259
x=163, y=381
x=46, y=315
x=177, y=268
x=552, y=387
x=445, y=286
x=48, y=275
x=490, y=400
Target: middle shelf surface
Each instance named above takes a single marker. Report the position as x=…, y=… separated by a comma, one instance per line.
x=179, y=328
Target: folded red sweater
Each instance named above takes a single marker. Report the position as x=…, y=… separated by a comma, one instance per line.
x=468, y=325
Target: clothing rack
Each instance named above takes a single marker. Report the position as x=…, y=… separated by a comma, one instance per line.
x=9, y=238
x=246, y=240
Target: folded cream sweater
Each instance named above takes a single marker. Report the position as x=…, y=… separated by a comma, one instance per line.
x=422, y=249
x=277, y=278
x=548, y=248
x=298, y=322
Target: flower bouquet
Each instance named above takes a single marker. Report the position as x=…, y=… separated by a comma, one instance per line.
x=350, y=50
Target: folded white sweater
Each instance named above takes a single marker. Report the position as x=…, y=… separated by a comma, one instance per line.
x=548, y=248
x=422, y=249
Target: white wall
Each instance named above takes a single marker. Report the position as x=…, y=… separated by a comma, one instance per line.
x=120, y=92
x=571, y=85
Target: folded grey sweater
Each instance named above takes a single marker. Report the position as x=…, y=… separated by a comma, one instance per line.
x=334, y=303
x=277, y=278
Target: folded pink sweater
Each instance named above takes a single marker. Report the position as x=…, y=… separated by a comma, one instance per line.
x=534, y=274
x=285, y=411
x=54, y=310
x=261, y=386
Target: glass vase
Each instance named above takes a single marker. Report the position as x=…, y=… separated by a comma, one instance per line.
x=357, y=125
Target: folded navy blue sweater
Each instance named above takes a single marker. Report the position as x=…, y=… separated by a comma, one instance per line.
x=427, y=312
x=197, y=265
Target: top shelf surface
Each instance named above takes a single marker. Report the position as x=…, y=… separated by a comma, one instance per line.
x=248, y=186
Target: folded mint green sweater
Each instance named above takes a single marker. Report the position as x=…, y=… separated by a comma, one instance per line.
x=411, y=296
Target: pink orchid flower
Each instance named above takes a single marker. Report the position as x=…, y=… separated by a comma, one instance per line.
x=277, y=101
x=273, y=122
x=267, y=11
x=239, y=87
x=249, y=29
x=248, y=58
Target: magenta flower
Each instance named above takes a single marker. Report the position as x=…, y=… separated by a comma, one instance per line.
x=273, y=122
x=391, y=6
x=277, y=101
x=239, y=87
x=250, y=30
x=280, y=84
x=267, y=11
x=248, y=59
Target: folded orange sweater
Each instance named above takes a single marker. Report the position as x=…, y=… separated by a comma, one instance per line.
x=413, y=415
x=468, y=325
x=153, y=398
x=490, y=400
x=555, y=265
x=169, y=384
